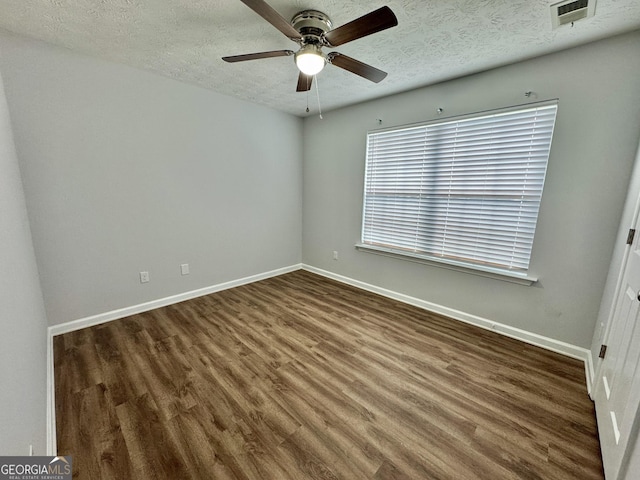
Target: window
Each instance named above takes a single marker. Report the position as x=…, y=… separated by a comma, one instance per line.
x=464, y=191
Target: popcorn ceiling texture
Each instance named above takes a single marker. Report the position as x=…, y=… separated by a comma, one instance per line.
x=435, y=40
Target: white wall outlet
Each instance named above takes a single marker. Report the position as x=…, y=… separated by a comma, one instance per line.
x=335, y=254
x=144, y=277
x=184, y=269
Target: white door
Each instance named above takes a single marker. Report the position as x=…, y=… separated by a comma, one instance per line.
x=617, y=392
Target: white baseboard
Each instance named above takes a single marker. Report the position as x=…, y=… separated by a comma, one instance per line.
x=531, y=338
x=125, y=312
x=163, y=302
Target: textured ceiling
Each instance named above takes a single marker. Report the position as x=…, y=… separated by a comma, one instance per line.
x=435, y=40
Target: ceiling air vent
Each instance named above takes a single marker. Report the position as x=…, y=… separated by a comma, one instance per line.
x=571, y=11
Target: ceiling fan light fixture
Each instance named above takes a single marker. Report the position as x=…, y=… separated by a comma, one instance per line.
x=309, y=59
x=312, y=30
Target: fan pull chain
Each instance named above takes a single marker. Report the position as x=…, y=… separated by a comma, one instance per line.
x=318, y=95
x=308, y=100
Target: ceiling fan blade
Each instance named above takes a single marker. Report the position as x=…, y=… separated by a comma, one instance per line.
x=354, y=66
x=304, y=82
x=257, y=56
x=274, y=18
x=373, y=22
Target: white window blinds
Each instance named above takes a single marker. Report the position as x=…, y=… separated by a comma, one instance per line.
x=466, y=189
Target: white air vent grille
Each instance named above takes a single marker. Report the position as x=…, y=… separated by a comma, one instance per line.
x=570, y=11
x=572, y=7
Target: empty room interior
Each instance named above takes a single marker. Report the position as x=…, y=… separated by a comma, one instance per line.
x=416, y=263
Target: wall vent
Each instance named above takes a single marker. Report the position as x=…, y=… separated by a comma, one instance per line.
x=570, y=11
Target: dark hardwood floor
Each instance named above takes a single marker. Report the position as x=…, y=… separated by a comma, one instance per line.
x=300, y=377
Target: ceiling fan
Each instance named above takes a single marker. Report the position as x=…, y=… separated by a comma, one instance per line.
x=313, y=30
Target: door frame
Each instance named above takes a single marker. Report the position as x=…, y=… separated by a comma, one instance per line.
x=633, y=194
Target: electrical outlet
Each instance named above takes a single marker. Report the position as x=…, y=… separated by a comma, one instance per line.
x=335, y=254
x=184, y=269
x=144, y=277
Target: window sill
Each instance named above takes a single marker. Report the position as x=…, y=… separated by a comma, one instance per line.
x=513, y=277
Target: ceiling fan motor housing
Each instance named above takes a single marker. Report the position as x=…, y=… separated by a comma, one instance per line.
x=312, y=25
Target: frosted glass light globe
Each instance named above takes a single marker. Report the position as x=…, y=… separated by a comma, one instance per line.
x=309, y=60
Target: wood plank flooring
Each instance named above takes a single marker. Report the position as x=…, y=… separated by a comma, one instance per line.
x=300, y=377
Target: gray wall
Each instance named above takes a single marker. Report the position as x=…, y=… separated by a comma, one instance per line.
x=23, y=343
x=595, y=140
x=126, y=171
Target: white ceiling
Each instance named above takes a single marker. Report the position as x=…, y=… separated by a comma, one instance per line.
x=435, y=40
